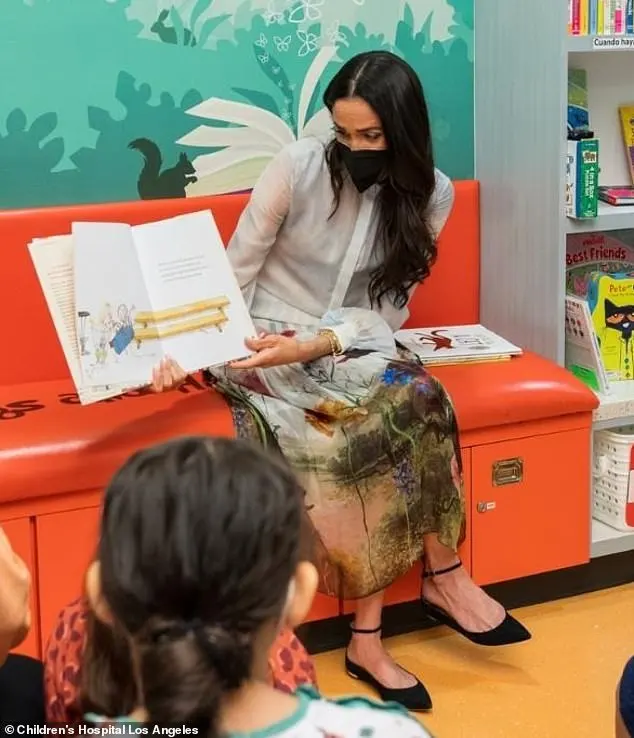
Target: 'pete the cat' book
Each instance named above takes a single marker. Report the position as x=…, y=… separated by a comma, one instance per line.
x=611, y=303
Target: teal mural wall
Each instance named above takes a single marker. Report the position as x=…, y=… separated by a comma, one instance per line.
x=108, y=100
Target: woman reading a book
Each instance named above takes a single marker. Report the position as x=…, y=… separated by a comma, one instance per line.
x=335, y=238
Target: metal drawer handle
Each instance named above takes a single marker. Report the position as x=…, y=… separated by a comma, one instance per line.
x=507, y=471
x=484, y=507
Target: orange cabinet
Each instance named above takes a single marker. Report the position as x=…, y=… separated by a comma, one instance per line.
x=530, y=510
x=20, y=534
x=66, y=543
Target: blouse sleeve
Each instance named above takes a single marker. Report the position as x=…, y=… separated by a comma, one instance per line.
x=362, y=329
x=441, y=203
x=260, y=222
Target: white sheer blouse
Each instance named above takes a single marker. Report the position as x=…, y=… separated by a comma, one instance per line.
x=296, y=264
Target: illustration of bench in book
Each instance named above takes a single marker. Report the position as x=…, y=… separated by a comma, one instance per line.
x=152, y=326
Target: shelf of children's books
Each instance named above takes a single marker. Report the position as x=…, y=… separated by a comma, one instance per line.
x=583, y=44
x=616, y=408
x=607, y=540
x=610, y=218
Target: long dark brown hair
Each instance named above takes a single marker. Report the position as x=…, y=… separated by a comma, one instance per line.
x=199, y=541
x=392, y=89
x=107, y=686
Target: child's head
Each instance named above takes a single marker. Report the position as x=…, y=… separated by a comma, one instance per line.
x=200, y=563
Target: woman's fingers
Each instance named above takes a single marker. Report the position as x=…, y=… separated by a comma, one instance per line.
x=157, y=379
x=266, y=342
x=167, y=375
x=166, y=371
x=177, y=373
x=262, y=358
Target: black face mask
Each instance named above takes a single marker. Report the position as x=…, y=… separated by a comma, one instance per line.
x=364, y=165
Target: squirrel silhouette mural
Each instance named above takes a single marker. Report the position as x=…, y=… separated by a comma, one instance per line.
x=154, y=184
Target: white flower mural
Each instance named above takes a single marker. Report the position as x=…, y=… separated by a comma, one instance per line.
x=254, y=137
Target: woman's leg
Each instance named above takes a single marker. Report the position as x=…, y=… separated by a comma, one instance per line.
x=456, y=592
x=367, y=650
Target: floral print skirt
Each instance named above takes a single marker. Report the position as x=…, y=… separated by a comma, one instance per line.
x=374, y=440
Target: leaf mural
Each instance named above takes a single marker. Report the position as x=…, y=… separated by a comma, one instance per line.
x=141, y=119
x=178, y=26
x=259, y=99
x=450, y=107
x=256, y=133
x=27, y=158
x=201, y=7
x=274, y=71
x=91, y=54
x=194, y=31
x=210, y=25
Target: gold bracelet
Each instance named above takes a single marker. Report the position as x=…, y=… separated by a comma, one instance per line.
x=335, y=345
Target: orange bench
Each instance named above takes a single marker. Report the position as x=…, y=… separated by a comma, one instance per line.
x=525, y=423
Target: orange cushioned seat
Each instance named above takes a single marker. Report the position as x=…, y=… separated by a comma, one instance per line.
x=49, y=442
x=50, y=445
x=524, y=389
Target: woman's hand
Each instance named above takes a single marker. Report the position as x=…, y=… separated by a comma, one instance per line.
x=167, y=376
x=270, y=349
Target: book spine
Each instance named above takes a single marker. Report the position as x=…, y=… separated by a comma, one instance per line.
x=576, y=17
x=601, y=17
x=629, y=17
x=584, y=17
x=626, y=113
x=571, y=180
x=594, y=10
x=612, y=17
x=619, y=18
x=584, y=174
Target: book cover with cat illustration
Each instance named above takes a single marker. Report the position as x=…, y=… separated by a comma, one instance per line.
x=611, y=303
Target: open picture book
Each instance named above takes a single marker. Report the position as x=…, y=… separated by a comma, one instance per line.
x=457, y=344
x=124, y=297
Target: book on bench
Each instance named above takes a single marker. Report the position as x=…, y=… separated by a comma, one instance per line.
x=457, y=344
x=124, y=297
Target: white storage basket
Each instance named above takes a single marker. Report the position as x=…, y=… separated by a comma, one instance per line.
x=613, y=477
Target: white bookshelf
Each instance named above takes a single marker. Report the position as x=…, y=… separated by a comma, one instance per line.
x=610, y=218
x=616, y=408
x=522, y=53
x=607, y=540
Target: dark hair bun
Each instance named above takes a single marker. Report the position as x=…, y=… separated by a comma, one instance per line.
x=229, y=654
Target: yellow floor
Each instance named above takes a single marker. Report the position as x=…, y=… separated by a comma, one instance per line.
x=559, y=685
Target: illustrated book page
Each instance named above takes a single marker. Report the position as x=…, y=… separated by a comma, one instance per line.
x=53, y=259
x=583, y=357
x=156, y=290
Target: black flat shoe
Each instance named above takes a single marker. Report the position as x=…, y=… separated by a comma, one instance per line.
x=415, y=698
x=508, y=632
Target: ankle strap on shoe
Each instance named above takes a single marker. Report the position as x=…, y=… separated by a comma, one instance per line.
x=365, y=631
x=439, y=572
